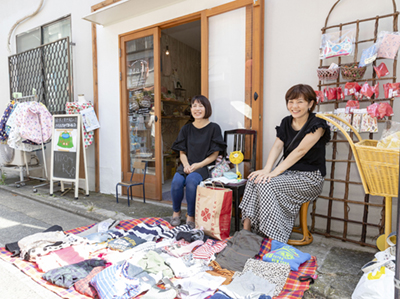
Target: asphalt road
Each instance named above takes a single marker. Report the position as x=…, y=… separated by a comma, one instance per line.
x=20, y=217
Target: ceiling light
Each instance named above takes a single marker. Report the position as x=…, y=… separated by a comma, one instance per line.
x=167, y=51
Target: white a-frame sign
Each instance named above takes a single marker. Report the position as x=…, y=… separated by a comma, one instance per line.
x=65, y=152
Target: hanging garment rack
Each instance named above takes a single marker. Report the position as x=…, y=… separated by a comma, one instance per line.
x=34, y=98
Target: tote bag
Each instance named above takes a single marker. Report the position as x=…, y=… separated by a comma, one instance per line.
x=214, y=211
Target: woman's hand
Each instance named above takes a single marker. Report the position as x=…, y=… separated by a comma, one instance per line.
x=186, y=169
x=191, y=168
x=262, y=176
x=194, y=167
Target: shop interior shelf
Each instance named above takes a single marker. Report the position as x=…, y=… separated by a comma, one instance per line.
x=175, y=102
x=175, y=117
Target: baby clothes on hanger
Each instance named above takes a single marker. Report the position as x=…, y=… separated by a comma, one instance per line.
x=15, y=121
x=36, y=123
x=3, y=121
x=8, y=128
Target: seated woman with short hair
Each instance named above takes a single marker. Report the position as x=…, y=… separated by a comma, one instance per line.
x=273, y=197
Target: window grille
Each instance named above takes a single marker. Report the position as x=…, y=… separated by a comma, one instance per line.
x=46, y=69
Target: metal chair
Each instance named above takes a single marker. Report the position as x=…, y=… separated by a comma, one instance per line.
x=137, y=165
x=240, y=136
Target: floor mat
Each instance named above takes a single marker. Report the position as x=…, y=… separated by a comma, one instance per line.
x=292, y=289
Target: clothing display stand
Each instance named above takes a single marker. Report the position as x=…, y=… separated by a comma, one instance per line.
x=27, y=168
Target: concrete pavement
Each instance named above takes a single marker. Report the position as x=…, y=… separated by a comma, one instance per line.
x=339, y=262
x=19, y=217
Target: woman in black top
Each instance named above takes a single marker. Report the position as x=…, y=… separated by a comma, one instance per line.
x=273, y=197
x=198, y=144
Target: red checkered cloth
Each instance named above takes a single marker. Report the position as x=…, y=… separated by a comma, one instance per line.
x=83, y=285
x=293, y=288
x=33, y=271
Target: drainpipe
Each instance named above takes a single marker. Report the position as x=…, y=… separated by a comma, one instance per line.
x=19, y=22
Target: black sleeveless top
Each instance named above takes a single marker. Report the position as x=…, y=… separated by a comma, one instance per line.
x=314, y=159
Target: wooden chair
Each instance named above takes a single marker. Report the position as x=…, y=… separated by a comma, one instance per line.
x=302, y=228
x=137, y=165
x=239, y=144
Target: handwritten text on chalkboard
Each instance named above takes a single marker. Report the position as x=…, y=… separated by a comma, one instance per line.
x=65, y=122
x=64, y=165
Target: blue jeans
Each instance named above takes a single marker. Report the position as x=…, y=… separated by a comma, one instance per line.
x=178, y=183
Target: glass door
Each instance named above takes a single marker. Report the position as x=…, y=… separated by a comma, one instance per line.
x=140, y=108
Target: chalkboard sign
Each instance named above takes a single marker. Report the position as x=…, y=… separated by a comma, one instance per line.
x=64, y=165
x=65, y=151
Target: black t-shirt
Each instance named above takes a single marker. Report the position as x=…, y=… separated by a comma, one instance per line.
x=198, y=144
x=314, y=159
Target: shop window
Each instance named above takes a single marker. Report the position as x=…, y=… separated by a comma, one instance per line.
x=44, y=34
x=44, y=63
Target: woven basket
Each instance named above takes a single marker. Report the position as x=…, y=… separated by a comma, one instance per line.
x=351, y=71
x=324, y=73
x=380, y=167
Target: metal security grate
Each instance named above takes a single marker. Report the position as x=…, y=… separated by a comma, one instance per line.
x=47, y=69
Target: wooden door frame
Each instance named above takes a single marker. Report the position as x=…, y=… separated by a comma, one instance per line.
x=254, y=71
x=124, y=102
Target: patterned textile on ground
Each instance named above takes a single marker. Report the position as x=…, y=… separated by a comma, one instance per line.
x=293, y=288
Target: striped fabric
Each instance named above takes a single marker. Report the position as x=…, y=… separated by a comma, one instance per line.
x=148, y=232
x=208, y=249
x=115, y=282
x=292, y=289
x=173, y=232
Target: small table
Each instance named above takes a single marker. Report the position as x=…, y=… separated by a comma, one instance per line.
x=238, y=191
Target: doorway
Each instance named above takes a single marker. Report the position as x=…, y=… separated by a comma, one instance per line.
x=216, y=52
x=180, y=81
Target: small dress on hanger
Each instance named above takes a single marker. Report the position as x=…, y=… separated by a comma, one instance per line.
x=3, y=121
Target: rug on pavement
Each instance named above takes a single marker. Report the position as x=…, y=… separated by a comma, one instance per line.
x=293, y=288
